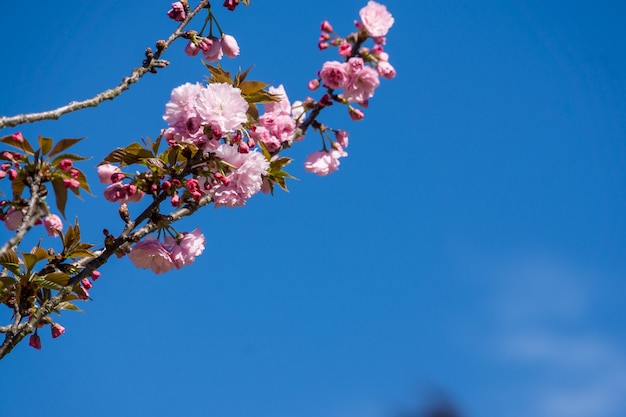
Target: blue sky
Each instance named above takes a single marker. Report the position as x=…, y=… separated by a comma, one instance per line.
x=471, y=244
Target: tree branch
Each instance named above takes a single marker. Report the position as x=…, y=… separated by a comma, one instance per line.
x=150, y=64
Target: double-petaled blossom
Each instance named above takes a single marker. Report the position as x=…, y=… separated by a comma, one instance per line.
x=376, y=19
x=185, y=250
x=324, y=162
x=277, y=125
x=334, y=74
x=218, y=106
x=150, y=253
x=362, y=81
x=52, y=223
x=13, y=218
x=106, y=171
x=244, y=179
x=172, y=253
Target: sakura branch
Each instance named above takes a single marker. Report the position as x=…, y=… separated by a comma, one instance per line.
x=151, y=63
x=217, y=149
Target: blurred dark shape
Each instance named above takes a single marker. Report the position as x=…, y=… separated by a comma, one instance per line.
x=439, y=407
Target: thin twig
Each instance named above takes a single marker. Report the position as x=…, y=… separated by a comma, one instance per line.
x=150, y=64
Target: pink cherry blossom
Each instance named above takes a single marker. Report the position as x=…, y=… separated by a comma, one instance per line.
x=376, y=19
x=244, y=180
x=342, y=138
x=214, y=51
x=334, y=74
x=184, y=252
x=221, y=106
x=105, y=171
x=13, y=218
x=51, y=223
x=386, y=70
x=151, y=254
x=363, y=80
x=229, y=46
x=324, y=162
x=65, y=164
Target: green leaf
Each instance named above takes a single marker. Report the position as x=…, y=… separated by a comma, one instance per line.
x=59, y=278
x=241, y=76
x=44, y=283
x=249, y=87
x=45, y=144
x=23, y=146
x=72, y=236
x=29, y=260
x=63, y=144
x=129, y=155
x=17, y=186
x=218, y=75
x=66, y=305
x=60, y=194
x=11, y=261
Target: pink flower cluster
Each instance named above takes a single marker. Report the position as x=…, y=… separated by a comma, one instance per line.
x=164, y=256
x=326, y=161
x=203, y=114
x=243, y=181
x=213, y=49
x=117, y=191
x=278, y=124
x=357, y=80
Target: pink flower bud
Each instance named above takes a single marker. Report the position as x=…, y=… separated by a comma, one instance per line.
x=95, y=275
x=57, y=330
x=166, y=185
x=345, y=48
x=117, y=177
x=86, y=283
x=175, y=200
x=386, y=70
x=243, y=147
x=342, y=138
x=355, y=114
x=326, y=26
x=71, y=183
x=229, y=46
x=12, y=174
x=191, y=185
x=322, y=45
x=231, y=4
x=177, y=12
x=192, y=49
x=65, y=164
x=313, y=84
x=34, y=341
x=17, y=136
x=105, y=171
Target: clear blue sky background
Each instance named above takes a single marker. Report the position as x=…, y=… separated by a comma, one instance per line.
x=472, y=244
